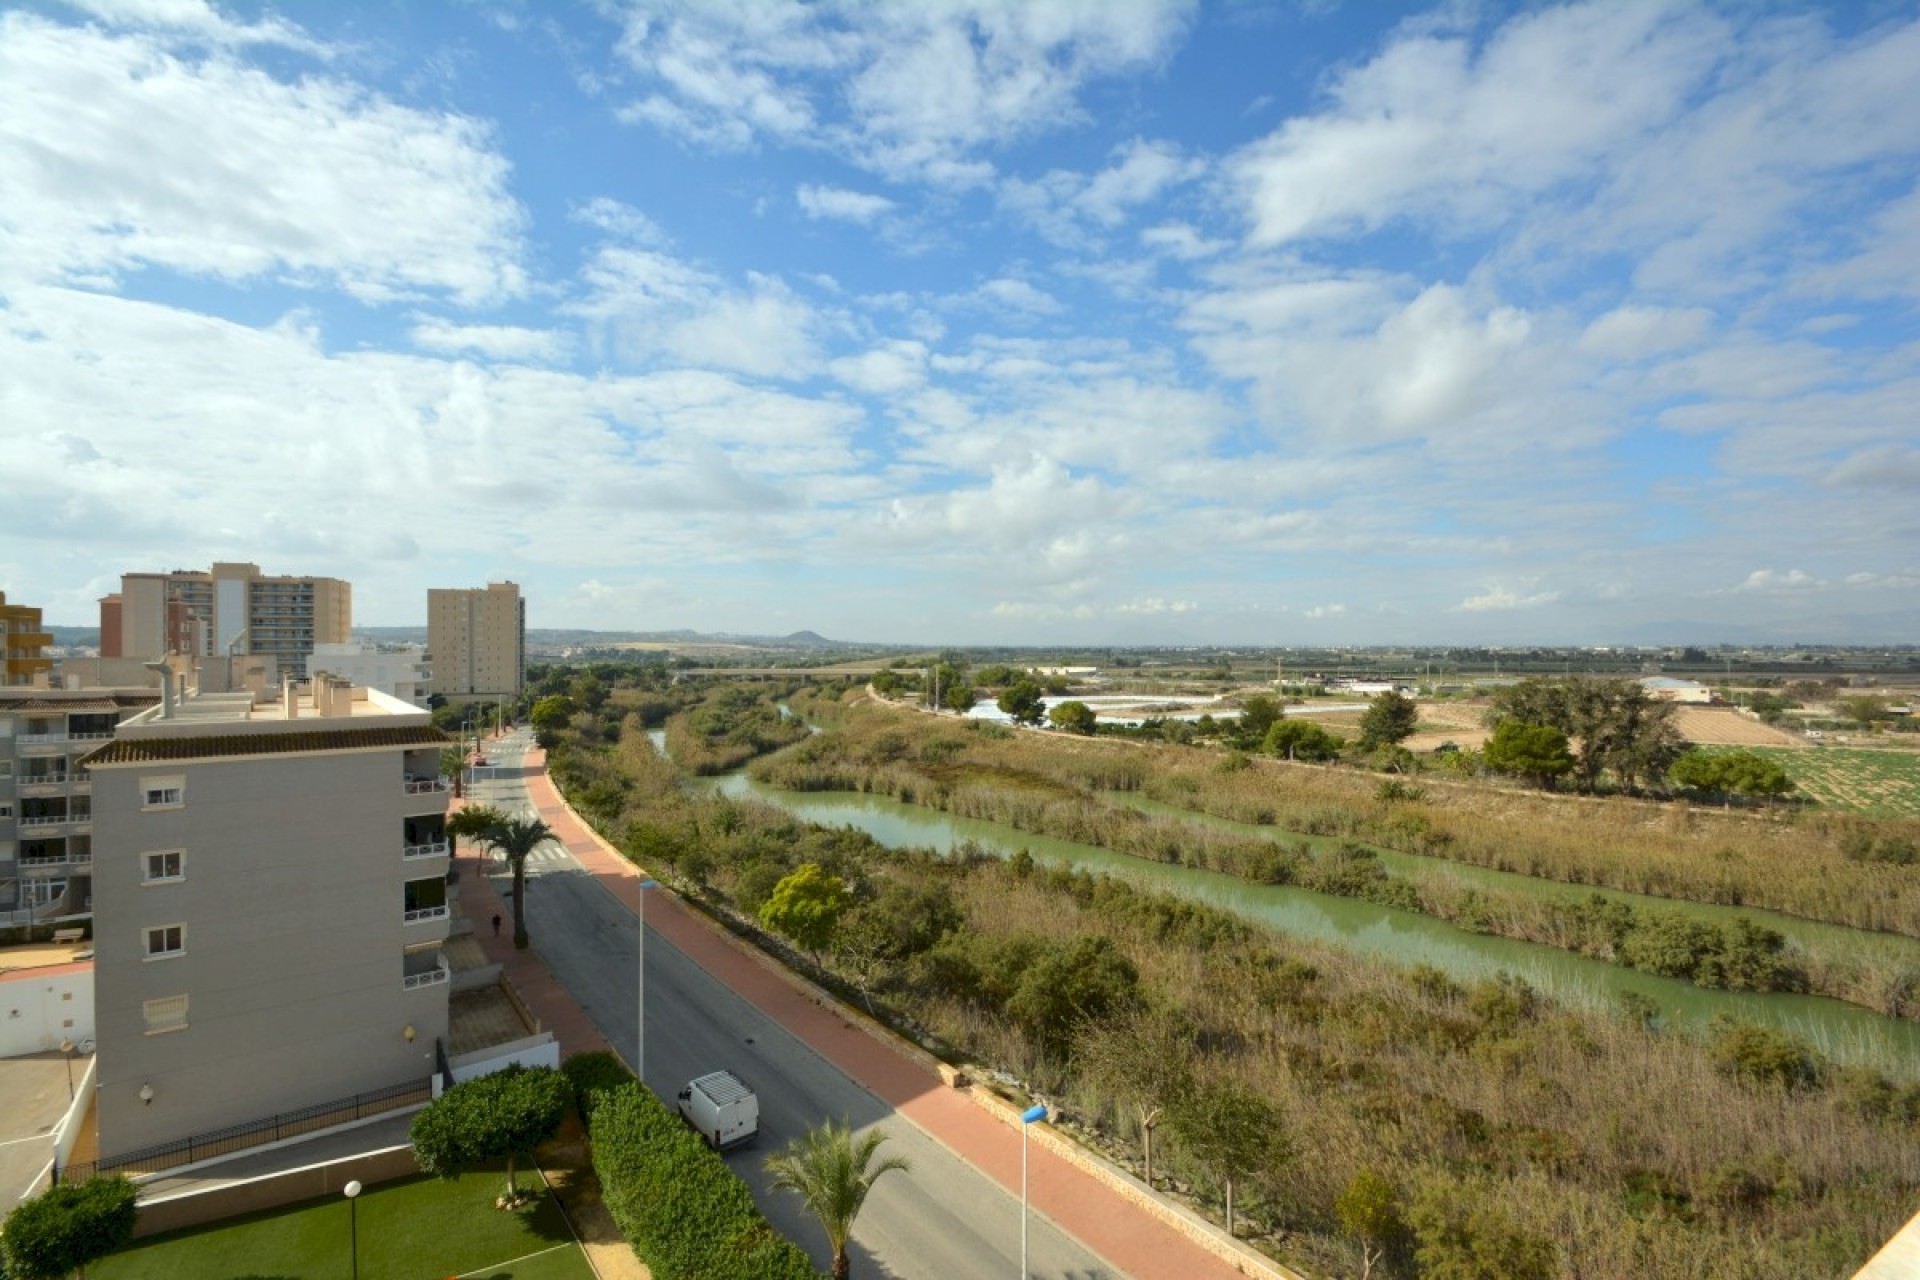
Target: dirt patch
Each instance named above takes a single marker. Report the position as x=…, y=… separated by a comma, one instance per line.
x=1725, y=727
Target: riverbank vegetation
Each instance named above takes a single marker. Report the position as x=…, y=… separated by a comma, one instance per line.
x=1320, y=824
x=1352, y=1105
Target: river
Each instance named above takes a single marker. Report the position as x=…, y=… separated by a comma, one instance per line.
x=1846, y=1033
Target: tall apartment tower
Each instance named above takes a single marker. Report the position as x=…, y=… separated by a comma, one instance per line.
x=271, y=903
x=22, y=656
x=477, y=641
x=233, y=608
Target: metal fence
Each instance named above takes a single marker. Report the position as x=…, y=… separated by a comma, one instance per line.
x=255, y=1133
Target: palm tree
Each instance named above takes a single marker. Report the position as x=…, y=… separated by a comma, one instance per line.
x=453, y=764
x=832, y=1171
x=515, y=838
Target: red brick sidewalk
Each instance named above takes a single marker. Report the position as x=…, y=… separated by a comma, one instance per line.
x=1103, y=1213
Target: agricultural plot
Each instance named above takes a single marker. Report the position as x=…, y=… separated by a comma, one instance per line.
x=1882, y=783
x=1723, y=726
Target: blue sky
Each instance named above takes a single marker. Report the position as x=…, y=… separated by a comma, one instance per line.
x=1072, y=321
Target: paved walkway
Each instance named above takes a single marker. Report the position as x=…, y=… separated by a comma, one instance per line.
x=1091, y=1208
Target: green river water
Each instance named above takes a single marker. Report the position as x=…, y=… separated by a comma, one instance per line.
x=1846, y=1033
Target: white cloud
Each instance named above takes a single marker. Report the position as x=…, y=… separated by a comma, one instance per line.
x=1437, y=130
x=1065, y=205
x=1327, y=611
x=1503, y=599
x=1884, y=581
x=503, y=342
x=654, y=308
x=908, y=91
x=1770, y=581
x=1154, y=606
x=838, y=202
x=1007, y=293
x=885, y=370
x=1178, y=240
x=1635, y=332
x=313, y=182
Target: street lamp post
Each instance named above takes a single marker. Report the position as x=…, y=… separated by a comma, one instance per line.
x=352, y=1190
x=640, y=977
x=1036, y=1112
x=66, y=1049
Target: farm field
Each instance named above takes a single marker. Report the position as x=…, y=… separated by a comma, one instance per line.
x=1881, y=783
x=1725, y=727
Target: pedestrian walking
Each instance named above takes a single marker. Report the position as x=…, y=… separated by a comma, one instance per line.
x=496, y=924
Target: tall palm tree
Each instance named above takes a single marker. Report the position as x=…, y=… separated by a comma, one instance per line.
x=832, y=1171
x=515, y=838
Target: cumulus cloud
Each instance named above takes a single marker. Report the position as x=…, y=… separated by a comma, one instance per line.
x=840, y=203
x=907, y=91
x=652, y=307
x=315, y=181
x=1154, y=606
x=1327, y=611
x=503, y=342
x=1064, y=205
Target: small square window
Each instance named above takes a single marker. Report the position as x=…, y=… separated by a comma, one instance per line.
x=167, y=940
x=6, y=809
x=166, y=865
x=168, y=1013
x=163, y=793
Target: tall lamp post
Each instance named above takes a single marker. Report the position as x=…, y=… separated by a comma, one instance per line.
x=1036, y=1112
x=352, y=1190
x=640, y=977
x=66, y=1049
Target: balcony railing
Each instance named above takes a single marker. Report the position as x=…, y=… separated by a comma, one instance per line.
x=40, y=779
x=63, y=735
x=40, y=861
x=421, y=786
x=432, y=849
x=421, y=915
x=34, y=822
x=431, y=978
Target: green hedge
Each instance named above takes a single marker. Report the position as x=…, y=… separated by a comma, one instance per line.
x=685, y=1213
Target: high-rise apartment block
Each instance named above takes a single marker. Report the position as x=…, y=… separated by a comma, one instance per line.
x=271, y=907
x=22, y=656
x=477, y=641
x=231, y=609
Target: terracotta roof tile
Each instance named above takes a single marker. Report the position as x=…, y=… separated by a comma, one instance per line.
x=158, y=750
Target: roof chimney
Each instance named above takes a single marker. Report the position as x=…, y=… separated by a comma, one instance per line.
x=165, y=673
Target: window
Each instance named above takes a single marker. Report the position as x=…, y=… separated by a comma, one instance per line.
x=6, y=809
x=168, y=864
x=163, y=793
x=166, y=940
x=168, y=1013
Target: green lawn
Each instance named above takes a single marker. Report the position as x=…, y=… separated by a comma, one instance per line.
x=416, y=1229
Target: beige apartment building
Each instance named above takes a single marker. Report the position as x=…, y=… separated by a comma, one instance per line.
x=46, y=800
x=477, y=641
x=232, y=608
x=23, y=644
x=271, y=907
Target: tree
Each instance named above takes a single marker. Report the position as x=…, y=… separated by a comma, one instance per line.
x=67, y=1227
x=1470, y=1237
x=806, y=906
x=1302, y=740
x=1232, y=1131
x=832, y=1171
x=1389, y=721
x=1069, y=986
x=472, y=821
x=1618, y=725
x=551, y=713
x=960, y=697
x=1537, y=752
x=1074, y=717
x=1145, y=1060
x=453, y=765
x=503, y=1115
x=1367, y=1212
x=1020, y=701
x=1731, y=773
x=515, y=838
x=1864, y=709
x=1258, y=714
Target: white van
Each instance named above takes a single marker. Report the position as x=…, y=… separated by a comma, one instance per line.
x=721, y=1109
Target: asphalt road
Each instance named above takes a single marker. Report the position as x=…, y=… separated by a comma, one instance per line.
x=943, y=1220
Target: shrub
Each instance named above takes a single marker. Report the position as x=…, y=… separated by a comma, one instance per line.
x=685, y=1213
x=593, y=1076
x=1764, y=1055
x=67, y=1227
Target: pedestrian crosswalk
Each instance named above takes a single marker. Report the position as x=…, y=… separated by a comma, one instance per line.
x=548, y=857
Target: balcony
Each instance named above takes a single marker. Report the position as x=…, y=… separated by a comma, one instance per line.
x=32, y=784
x=413, y=978
x=426, y=915
x=431, y=849
x=46, y=862
x=423, y=786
